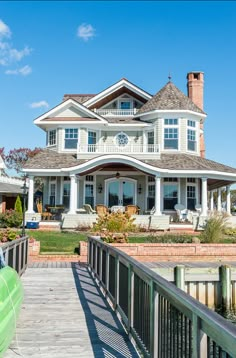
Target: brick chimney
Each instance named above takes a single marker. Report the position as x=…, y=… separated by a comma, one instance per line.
x=195, y=86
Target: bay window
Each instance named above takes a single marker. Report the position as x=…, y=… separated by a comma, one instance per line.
x=171, y=133
x=71, y=138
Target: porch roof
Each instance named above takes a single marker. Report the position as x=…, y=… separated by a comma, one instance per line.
x=49, y=159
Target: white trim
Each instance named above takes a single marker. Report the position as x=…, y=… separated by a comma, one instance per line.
x=115, y=87
x=181, y=111
x=59, y=107
x=121, y=178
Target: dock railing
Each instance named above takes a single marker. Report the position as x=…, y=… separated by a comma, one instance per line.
x=15, y=254
x=163, y=320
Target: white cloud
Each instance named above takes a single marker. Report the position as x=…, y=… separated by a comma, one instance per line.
x=8, y=53
x=39, y=104
x=85, y=32
x=24, y=71
x=4, y=30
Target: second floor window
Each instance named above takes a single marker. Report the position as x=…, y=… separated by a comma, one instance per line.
x=92, y=139
x=71, y=138
x=191, y=140
x=52, y=137
x=171, y=138
x=150, y=140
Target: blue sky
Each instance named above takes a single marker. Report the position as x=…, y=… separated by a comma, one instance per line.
x=48, y=49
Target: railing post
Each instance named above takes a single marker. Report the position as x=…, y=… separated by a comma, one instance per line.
x=199, y=340
x=14, y=256
x=117, y=274
x=225, y=278
x=154, y=302
x=130, y=297
x=91, y=258
x=95, y=262
x=20, y=259
x=100, y=264
x=107, y=270
x=179, y=273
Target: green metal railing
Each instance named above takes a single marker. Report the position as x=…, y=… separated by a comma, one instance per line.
x=15, y=254
x=163, y=320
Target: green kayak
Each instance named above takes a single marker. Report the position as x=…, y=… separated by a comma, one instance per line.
x=11, y=297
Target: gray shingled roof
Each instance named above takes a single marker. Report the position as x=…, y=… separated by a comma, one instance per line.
x=188, y=162
x=49, y=159
x=169, y=97
x=81, y=98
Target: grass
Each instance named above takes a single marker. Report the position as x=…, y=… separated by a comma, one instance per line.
x=57, y=242
x=68, y=242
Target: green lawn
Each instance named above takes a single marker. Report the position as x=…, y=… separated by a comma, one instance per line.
x=57, y=242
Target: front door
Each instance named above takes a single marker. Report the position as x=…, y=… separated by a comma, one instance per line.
x=121, y=192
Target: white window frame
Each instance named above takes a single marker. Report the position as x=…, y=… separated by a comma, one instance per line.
x=48, y=138
x=93, y=183
x=191, y=126
x=78, y=135
x=178, y=194
x=196, y=190
x=171, y=126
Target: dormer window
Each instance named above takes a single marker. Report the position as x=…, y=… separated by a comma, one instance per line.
x=121, y=139
x=125, y=105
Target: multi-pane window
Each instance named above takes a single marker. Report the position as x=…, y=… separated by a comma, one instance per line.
x=170, y=196
x=89, y=194
x=89, y=178
x=71, y=138
x=125, y=105
x=151, y=196
x=170, y=180
x=191, y=197
x=191, y=180
x=191, y=140
x=122, y=139
x=66, y=195
x=191, y=123
x=171, y=121
x=151, y=179
x=52, y=137
x=171, y=138
x=52, y=195
x=92, y=140
x=150, y=140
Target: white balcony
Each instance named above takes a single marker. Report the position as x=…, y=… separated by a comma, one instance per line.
x=139, y=151
x=116, y=112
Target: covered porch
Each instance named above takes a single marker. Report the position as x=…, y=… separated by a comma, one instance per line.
x=120, y=181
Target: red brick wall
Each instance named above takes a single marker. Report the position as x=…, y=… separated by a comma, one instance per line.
x=173, y=252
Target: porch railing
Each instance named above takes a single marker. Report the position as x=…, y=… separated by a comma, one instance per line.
x=163, y=320
x=16, y=254
x=116, y=112
x=110, y=148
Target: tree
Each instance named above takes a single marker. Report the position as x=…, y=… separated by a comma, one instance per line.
x=18, y=205
x=16, y=158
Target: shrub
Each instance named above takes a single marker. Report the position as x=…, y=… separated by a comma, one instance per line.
x=18, y=205
x=169, y=239
x=114, y=227
x=214, y=228
x=10, y=218
x=8, y=235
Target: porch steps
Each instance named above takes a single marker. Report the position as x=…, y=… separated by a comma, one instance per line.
x=182, y=228
x=50, y=225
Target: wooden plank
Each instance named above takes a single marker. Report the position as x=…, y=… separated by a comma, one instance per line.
x=64, y=315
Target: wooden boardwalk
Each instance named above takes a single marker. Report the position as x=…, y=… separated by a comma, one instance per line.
x=64, y=315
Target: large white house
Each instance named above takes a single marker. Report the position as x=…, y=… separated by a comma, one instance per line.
x=125, y=146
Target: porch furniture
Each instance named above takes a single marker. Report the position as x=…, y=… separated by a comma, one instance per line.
x=101, y=210
x=56, y=211
x=46, y=215
x=116, y=208
x=132, y=209
x=198, y=208
x=181, y=212
x=88, y=208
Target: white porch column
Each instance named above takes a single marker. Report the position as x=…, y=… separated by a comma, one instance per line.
x=228, y=200
x=204, y=197
x=157, y=196
x=31, y=195
x=219, y=206
x=211, y=200
x=73, y=194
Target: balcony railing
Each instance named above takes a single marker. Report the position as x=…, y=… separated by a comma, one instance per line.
x=111, y=148
x=116, y=112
